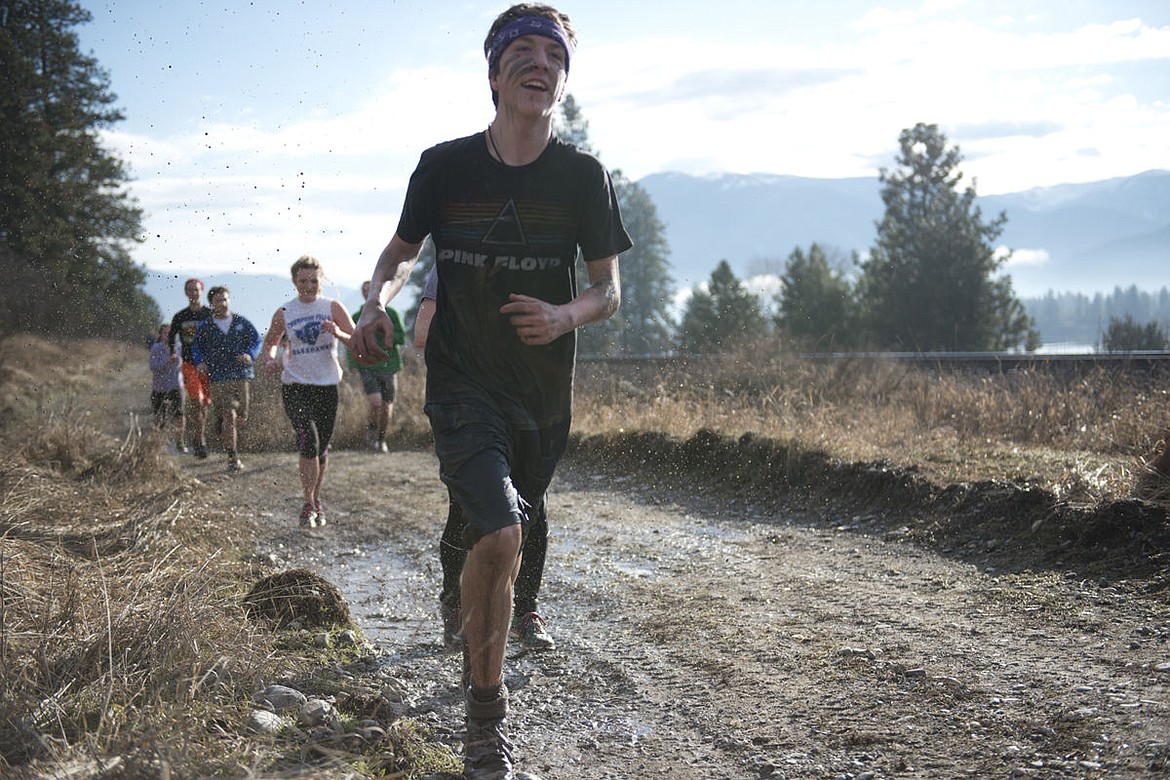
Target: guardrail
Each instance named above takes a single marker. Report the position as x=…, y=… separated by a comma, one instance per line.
x=1142, y=361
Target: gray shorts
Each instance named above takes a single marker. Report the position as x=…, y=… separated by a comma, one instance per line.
x=496, y=472
x=383, y=383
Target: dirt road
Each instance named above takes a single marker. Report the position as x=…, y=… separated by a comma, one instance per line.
x=699, y=638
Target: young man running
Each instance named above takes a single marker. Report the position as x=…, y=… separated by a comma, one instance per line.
x=225, y=347
x=183, y=326
x=508, y=208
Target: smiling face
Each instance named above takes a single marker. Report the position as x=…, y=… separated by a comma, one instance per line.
x=308, y=284
x=530, y=75
x=220, y=303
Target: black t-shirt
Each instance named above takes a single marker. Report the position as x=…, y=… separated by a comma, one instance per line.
x=183, y=327
x=498, y=230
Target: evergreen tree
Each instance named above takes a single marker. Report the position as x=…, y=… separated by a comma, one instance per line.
x=1075, y=317
x=929, y=282
x=815, y=302
x=66, y=219
x=722, y=317
x=571, y=126
x=642, y=325
x=1127, y=335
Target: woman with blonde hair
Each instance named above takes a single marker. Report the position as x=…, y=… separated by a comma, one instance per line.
x=310, y=374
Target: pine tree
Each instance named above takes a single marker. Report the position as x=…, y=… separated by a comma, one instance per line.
x=816, y=303
x=571, y=126
x=1128, y=335
x=642, y=325
x=722, y=317
x=66, y=219
x=929, y=282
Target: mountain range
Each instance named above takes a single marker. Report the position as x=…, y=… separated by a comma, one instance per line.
x=1084, y=238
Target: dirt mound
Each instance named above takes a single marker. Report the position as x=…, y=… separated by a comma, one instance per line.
x=1006, y=524
x=297, y=596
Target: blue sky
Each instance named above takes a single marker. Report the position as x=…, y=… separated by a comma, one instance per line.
x=260, y=131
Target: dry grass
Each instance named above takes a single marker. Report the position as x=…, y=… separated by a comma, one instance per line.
x=118, y=599
x=125, y=644
x=1087, y=437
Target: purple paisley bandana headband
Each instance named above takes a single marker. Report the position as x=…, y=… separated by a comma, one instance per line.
x=527, y=25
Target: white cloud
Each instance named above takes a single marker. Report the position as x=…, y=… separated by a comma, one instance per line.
x=766, y=286
x=1024, y=257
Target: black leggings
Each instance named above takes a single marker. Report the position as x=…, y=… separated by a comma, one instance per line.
x=312, y=410
x=452, y=554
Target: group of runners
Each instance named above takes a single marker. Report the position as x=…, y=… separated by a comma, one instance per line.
x=212, y=353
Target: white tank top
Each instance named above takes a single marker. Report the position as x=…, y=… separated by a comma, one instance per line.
x=311, y=355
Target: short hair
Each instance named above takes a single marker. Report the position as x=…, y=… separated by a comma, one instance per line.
x=195, y=281
x=519, y=11
x=306, y=262
x=366, y=287
x=219, y=288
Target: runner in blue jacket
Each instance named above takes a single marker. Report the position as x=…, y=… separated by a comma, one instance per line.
x=224, y=348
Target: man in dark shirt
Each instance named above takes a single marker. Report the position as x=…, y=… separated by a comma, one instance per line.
x=183, y=326
x=507, y=208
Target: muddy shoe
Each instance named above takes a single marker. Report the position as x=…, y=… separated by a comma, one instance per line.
x=452, y=617
x=487, y=751
x=530, y=630
x=308, y=516
x=201, y=451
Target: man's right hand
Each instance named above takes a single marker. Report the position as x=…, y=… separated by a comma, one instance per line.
x=363, y=345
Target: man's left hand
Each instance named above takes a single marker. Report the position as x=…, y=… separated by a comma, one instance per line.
x=535, y=321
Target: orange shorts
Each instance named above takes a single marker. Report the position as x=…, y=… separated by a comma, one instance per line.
x=198, y=386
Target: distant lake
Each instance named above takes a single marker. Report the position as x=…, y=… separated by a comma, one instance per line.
x=1067, y=348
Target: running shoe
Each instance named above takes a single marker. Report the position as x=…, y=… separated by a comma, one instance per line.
x=320, y=514
x=487, y=750
x=308, y=516
x=530, y=630
x=201, y=451
x=452, y=624
x=235, y=465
